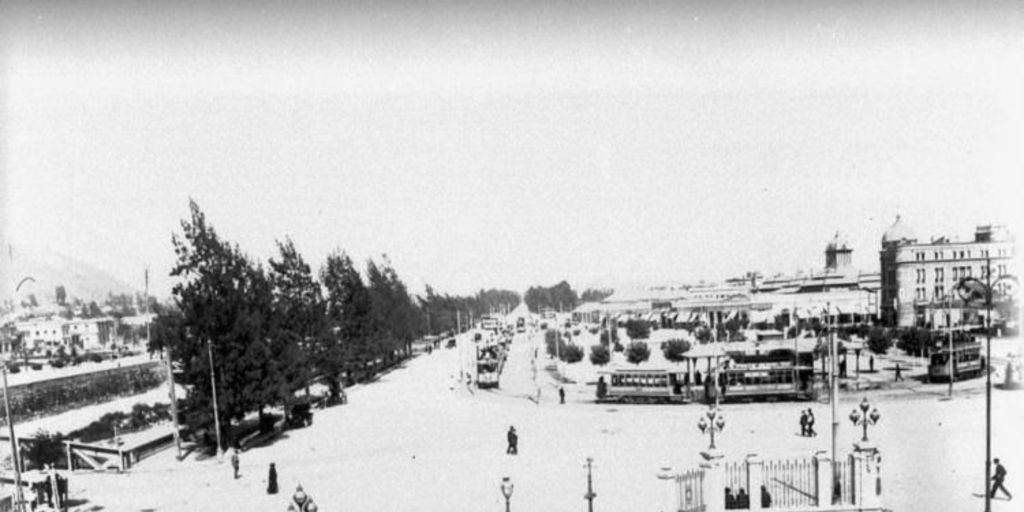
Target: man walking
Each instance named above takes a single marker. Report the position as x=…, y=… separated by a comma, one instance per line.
x=513, y=442
x=803, y=423
x=561, y=395
x=997, y=481
x=810, y=423
x=899, y=373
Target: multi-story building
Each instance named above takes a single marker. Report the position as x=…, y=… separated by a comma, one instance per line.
x=918, y=278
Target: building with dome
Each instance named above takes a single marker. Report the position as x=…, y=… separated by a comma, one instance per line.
x=917, y=277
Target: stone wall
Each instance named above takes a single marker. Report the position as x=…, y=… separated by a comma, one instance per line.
x=54, y=396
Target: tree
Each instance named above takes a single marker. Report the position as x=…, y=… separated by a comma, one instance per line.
x=879, y=340
x=614, y=336
x=674, y=350
x=226, y=305
x=572, y=354
x=347, y=341
x=297, y=322
x=558, y=297
x=595, y=295
x=61, y=295
x=637, y=329
x=638, y=352
x=599, y=355
x=551, y=339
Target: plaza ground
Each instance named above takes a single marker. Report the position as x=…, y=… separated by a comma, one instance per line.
x=418, y=440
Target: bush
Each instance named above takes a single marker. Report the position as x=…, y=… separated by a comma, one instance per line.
x=14, y=368
x=618, y=347
x=36, y=366
x=879, y=340
x=553, y=339
x=638, y=329
x=638, y=352
x=675, y=349
x=96, y=358
x=44, y=448
x=58, y=363
x=572, y=354
x=599, y=355
x=604, y=337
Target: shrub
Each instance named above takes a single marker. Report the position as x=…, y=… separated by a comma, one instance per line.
x=618, y=347
x=96, y=358
x=551, y=338
x=879, y=340
x=58, y=363
x=638, y=329
x=36, y=366
x=675, y=349
x=572, y=354
x=604, y=336
x=14, y=368
x=44, y=448
x=599, y=355
x=638, y=352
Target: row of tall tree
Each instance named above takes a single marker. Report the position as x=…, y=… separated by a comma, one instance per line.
x=560, y=297
x=268, y=330
x=447, y=313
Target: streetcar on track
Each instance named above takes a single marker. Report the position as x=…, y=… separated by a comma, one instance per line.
x=967, y=363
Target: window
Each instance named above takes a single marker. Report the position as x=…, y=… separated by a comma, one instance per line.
x=955, y=271
x=939, y=275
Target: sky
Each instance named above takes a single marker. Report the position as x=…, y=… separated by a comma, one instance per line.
x=509, y=144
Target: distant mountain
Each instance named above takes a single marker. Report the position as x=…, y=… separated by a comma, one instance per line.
x=50, y=269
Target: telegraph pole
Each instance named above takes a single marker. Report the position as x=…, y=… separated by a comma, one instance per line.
x=19, y=503
x=216, y=414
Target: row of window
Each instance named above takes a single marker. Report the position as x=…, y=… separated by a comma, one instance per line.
x=1002, y=252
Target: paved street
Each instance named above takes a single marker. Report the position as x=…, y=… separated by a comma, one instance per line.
x=416, y=440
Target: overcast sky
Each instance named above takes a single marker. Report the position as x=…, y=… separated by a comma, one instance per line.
x=505, y=144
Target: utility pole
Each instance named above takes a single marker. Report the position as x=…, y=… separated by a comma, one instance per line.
x=19, y=500
x=216, y=414
x=835, y=388
x=590, y=495
x=170, y=369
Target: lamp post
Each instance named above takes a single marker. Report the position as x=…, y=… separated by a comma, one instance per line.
x=506, y=490
x=590, y=495
x=863, y=418
x=302, y=502
x=711, y=422
x=970, y=288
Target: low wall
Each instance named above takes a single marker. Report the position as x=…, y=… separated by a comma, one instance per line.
x=54, y=396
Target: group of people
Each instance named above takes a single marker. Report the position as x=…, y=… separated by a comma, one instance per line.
x=741, y=500
x=271, y=475
x=807, y=423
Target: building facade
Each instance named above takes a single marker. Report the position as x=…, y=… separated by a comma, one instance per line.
x=920, y=278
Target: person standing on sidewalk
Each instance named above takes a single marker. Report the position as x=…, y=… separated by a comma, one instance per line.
x=810, y=423
x=561, y=395
x=803, y=423
x=899, y=373
x=997, y=481
x=234, y=461
x=513, y=441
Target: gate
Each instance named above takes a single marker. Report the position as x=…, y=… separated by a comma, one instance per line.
x=791, y=483
x=691, y=490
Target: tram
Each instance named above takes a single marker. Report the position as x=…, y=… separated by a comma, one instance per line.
x=643, y=386
x=490, y=361
x=774, y=374
x=743, y=374
x=967, y=363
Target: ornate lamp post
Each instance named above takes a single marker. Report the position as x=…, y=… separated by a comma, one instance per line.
x=862, y=417
x=590, y=495
x=974, y=289
x=301, y=502
x=506, y=490
x=711, y=422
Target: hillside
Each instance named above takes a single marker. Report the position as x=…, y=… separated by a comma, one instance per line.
x=51, y=269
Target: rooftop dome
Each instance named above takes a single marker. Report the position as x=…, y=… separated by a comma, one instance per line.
x=898, y=232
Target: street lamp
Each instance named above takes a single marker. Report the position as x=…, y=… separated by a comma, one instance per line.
x=506, y=490
x=590, y=495
x=970, y=288
x=301, y=502
x=862, y=417
x=711, y=422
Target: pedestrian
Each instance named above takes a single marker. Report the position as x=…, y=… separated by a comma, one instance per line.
x=803, y=423
x=272, y=480
x=561, y=395
x=997, y=481
x=730, y=500
x=842, y=368
x=871, y=364
x=513, y=442
x=766, y=498
x=742, y=500
x=810, y=423
x=234, y=460
x=899, y=373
